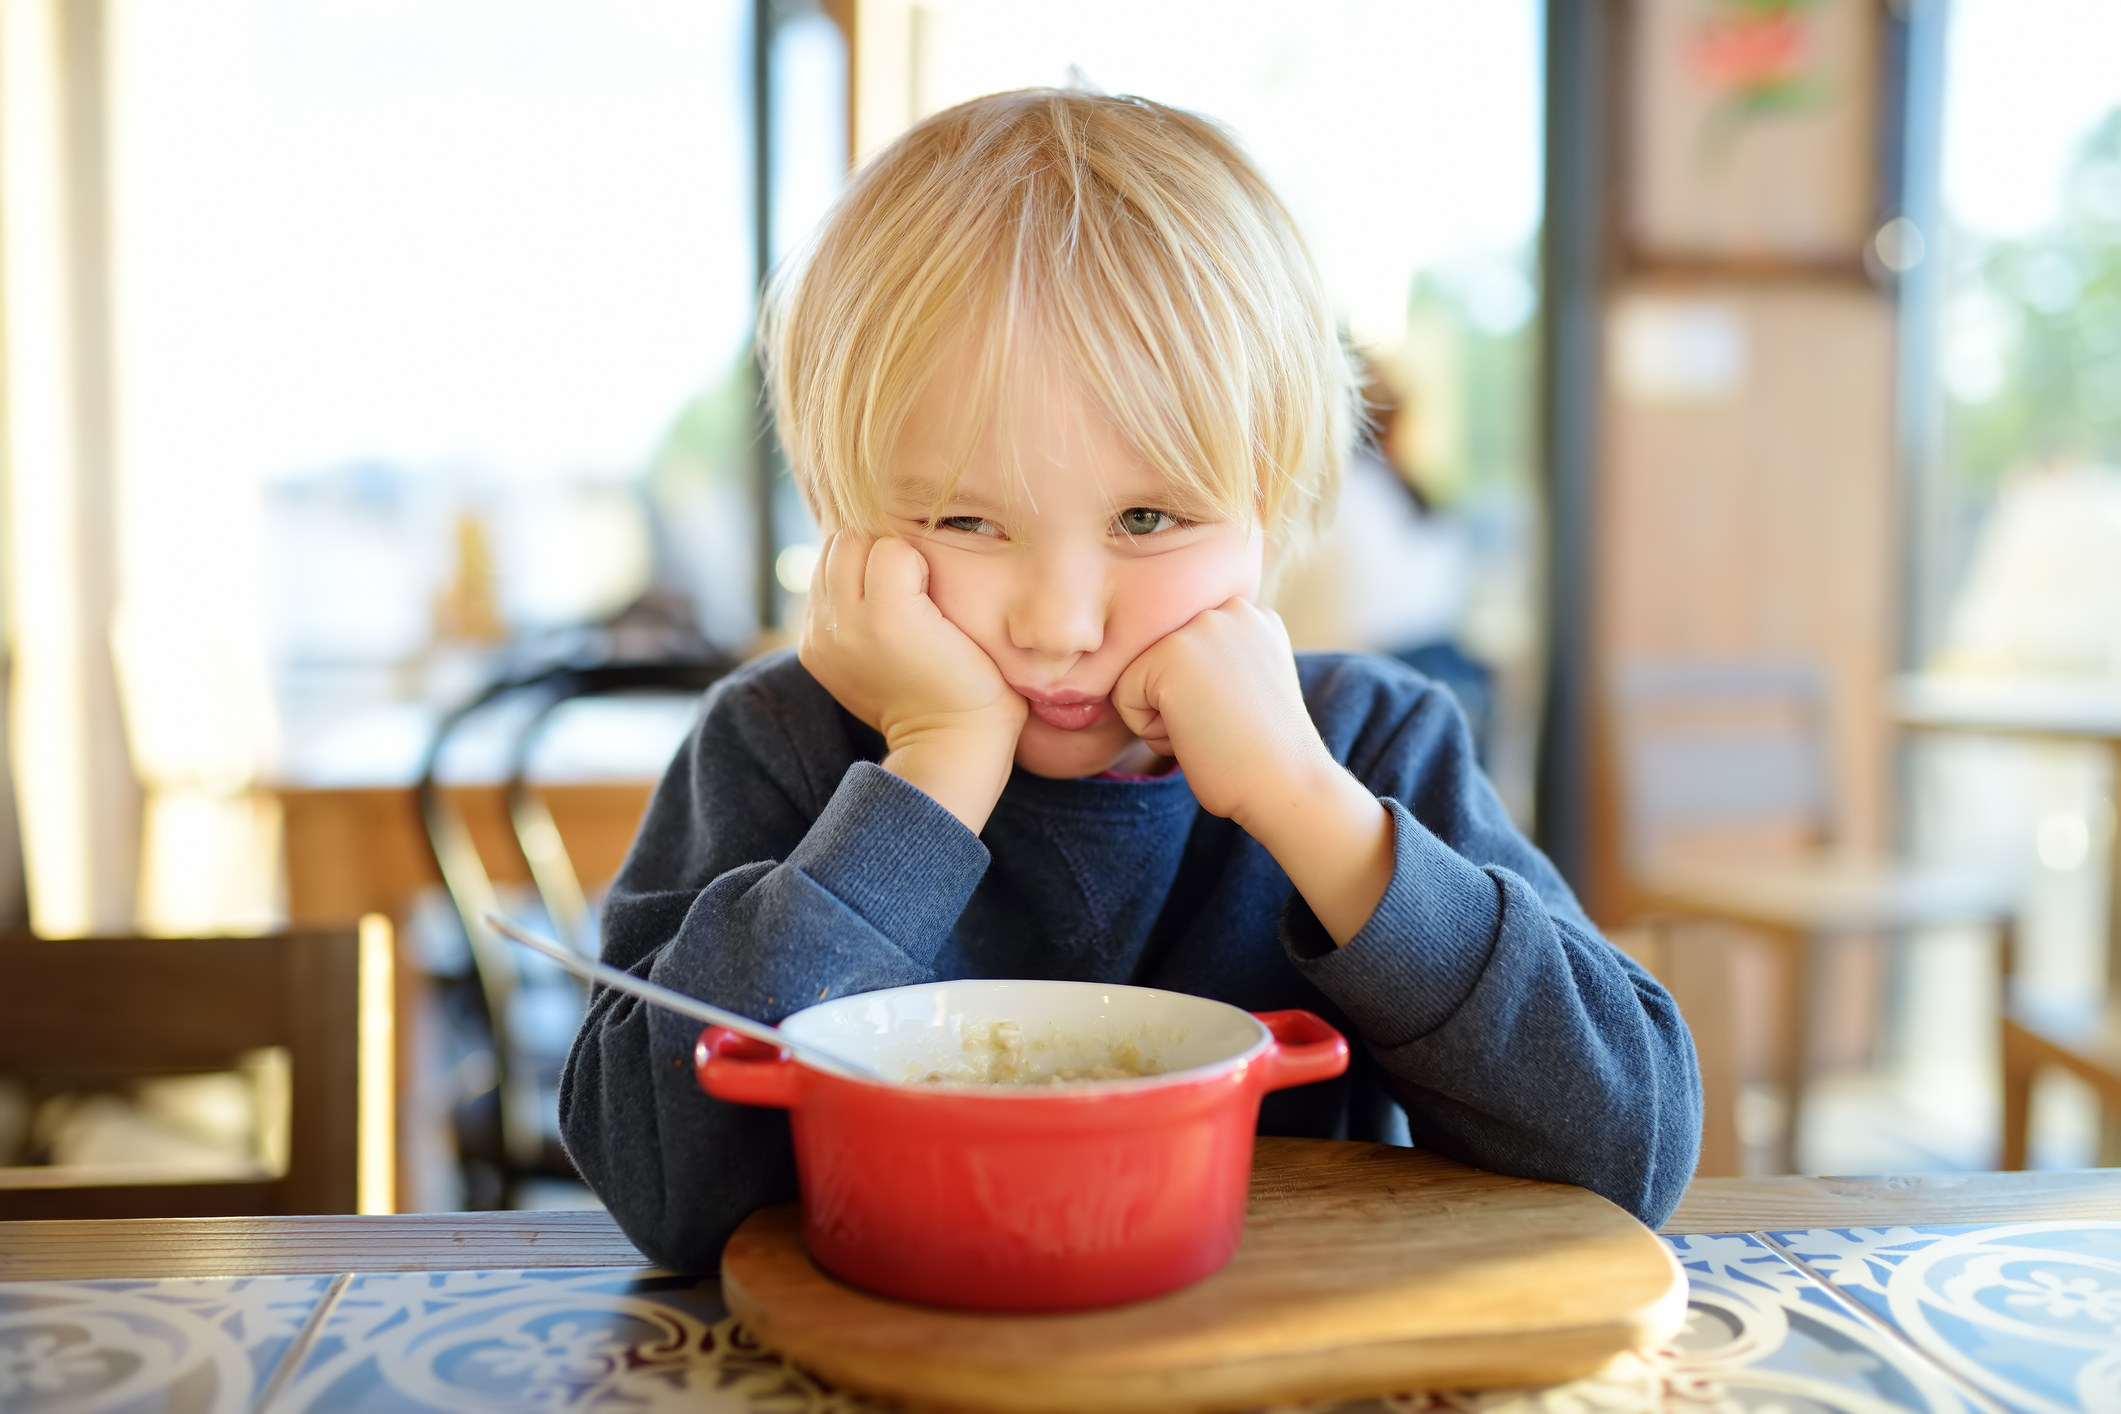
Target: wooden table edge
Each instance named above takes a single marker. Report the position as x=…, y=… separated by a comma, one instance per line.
x=144, y=1248
x=1950, y=1199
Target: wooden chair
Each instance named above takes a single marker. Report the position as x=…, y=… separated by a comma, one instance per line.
x=2083, y=1040
x=97, y=1010
x=1737, y=754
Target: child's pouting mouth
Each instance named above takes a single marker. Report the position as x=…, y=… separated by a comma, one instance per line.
x=1068, y=711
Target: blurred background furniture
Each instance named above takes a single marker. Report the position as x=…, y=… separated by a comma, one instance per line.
x=1731, y=819
x=2080, y=1035
x=2084, y=1041
x=521, y=1009
x=107, y=1016
x=354, y=850
x=523, y=797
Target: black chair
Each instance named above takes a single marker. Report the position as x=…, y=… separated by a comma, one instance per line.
x=508, y=1131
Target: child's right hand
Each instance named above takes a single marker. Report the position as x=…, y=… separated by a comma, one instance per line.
x=877, y=643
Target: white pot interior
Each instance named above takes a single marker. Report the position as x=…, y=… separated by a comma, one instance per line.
x=948, y=1031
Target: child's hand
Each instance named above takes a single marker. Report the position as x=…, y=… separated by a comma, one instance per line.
x=876, y=641
x=1221, y=694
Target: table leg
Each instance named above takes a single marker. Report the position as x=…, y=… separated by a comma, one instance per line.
x=2017, y=1067
x=409, y=1007
x=2109, y=1118
x=1702, y=970
x=1693, y=961
x=1798, y=951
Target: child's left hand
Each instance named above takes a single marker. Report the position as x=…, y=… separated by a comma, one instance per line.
x=1221, y=694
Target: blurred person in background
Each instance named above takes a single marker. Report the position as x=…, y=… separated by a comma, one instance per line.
x=1408, y=562
x=1393, y=572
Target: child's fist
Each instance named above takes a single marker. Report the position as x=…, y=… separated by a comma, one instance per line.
x=1221, y=694
x=879, y=645
x=875, y=640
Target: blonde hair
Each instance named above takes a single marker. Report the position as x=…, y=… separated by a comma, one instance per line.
x=1139, y=245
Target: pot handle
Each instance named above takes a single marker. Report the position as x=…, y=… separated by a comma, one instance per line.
x=1305, y=1049
x=746, y=1072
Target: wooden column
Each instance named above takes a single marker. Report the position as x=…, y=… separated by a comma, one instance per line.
x=1573, y=260
x=78, y=796
x=1747, y=466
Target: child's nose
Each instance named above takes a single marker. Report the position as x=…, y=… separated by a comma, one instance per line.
x=1058, y=608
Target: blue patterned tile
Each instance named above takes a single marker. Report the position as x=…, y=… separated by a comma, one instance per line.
x=467, y=1342
x=2028, y=1312
x=207, y=1344
x=1760, y=1333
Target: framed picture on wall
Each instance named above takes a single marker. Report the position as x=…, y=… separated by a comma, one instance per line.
x=1751, y=137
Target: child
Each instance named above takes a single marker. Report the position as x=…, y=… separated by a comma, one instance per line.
x=1059, y=381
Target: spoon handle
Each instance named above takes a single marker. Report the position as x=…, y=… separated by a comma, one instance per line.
x=658, y=995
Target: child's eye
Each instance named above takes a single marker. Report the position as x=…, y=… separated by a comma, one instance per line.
x=1141, y=520
x=969, y=525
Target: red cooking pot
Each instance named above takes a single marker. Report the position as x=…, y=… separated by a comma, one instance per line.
x=953, y=1191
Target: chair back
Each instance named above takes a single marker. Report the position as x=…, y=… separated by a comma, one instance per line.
x=100, y=1010
x=527, y=1146
x=1714, y=751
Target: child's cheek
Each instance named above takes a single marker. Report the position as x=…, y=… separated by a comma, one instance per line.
x=958, y=584
x=1171, y=590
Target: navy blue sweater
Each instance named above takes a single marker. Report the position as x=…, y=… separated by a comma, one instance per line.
x=779, y=865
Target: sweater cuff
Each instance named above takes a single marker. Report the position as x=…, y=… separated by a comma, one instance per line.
x=1423, y=950
x=898, y=860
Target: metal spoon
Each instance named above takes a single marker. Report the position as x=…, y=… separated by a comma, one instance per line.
x=657, y=995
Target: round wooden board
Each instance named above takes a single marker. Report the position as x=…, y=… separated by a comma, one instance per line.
x=1365, y=1270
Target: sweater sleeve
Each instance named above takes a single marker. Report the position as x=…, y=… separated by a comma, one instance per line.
x=762, y=885
x=1516, y=1038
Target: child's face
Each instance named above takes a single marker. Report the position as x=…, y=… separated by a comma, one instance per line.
x=1064, y=577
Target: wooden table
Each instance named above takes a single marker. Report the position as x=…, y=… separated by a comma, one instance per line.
x=2086, y=711
x=2037, y=709
x=354, y=839
x=1803, y=1289
x=361, y=849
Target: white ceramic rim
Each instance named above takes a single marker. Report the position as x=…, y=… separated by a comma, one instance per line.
x=1057, y=1091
